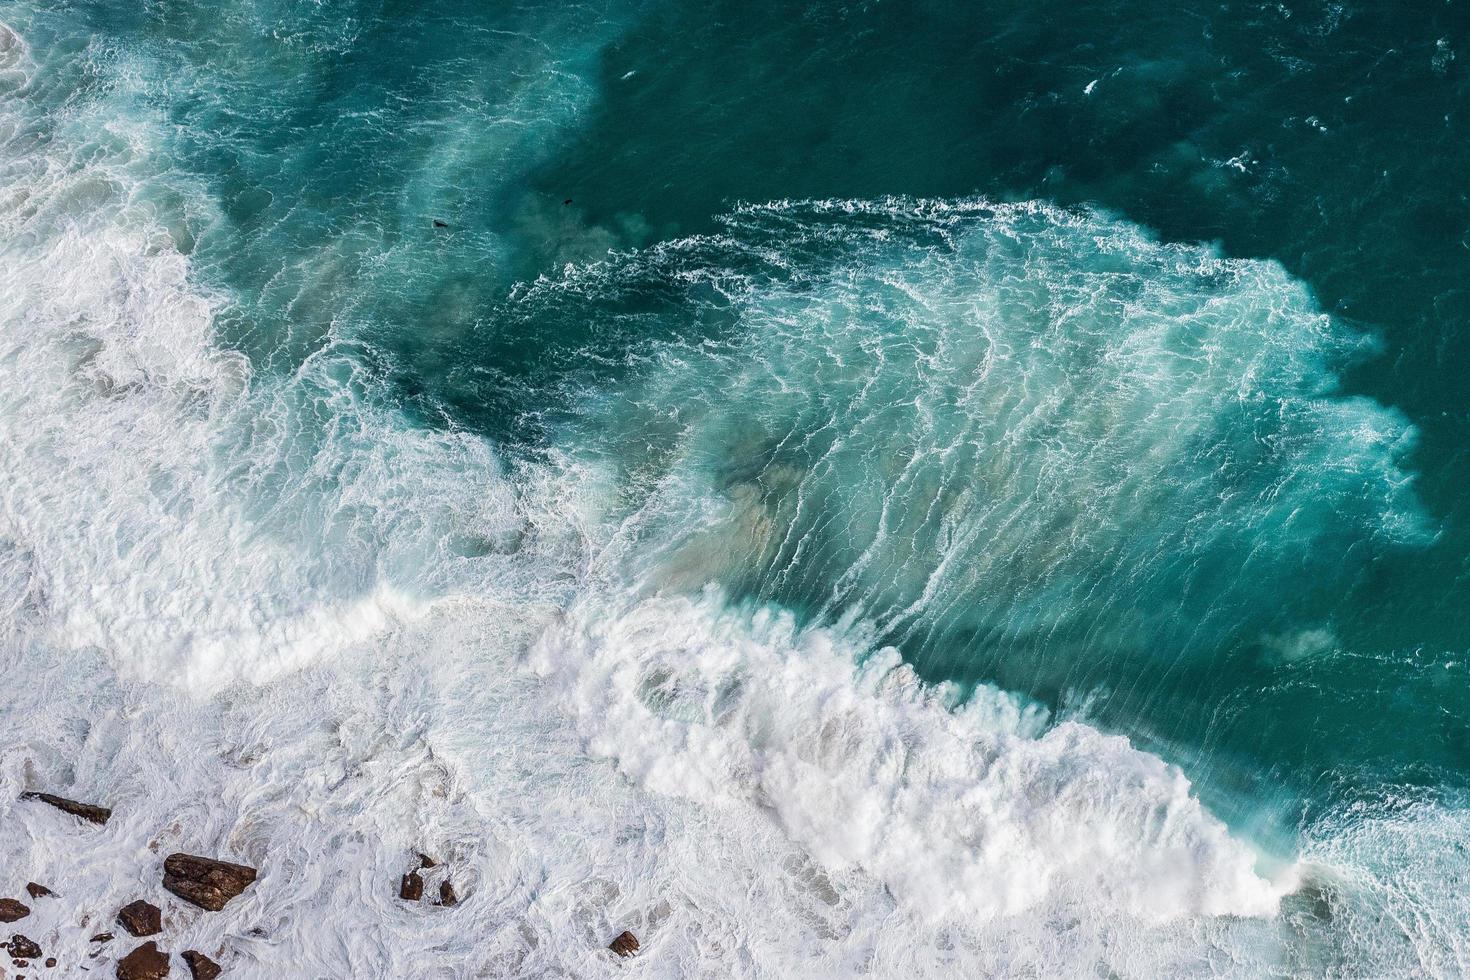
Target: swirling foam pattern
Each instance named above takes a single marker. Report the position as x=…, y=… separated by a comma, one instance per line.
x=1017, y=440
x=263, y=615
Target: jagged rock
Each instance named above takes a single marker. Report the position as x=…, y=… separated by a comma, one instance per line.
x=447, y=898
x=201, y=966
x=23, y=949
x=625, y=945
x=102, y=937
x=141, y=919
x=12, y=910
x=204, y=881
x=38, y=891
x=86, y=811
x=143, y=963
x=411, y=888
x=427, y=862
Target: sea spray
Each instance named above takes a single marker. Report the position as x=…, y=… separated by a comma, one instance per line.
x=964, y=810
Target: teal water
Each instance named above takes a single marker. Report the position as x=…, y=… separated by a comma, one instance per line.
x=1109, y=354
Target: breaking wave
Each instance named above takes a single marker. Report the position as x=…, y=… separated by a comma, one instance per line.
x=265, y=614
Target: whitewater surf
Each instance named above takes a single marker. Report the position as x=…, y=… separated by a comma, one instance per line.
x=952, y=577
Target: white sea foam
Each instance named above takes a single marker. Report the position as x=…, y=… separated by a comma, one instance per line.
x=968, y=810
x=264, y=618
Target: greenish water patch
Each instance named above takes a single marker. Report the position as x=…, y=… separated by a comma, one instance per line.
x=1306, y=650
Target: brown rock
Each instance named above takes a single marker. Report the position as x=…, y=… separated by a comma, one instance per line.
x=140, y=919
x=625, y=945
x=447, y=898
x=201, y=966
x=86, y=811
x=102, y=937
x=204, y=881
x=143, y=963
x=411, y=888
x=23, y=949
x=50, y=962
x=427, y=862
x=12, y=910
x=38, y=891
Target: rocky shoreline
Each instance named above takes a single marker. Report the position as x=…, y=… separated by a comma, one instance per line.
x=206, y=883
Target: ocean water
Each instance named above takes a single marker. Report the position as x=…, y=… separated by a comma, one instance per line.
x=893, y=489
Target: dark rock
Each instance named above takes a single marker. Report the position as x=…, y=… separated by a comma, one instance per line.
x=566, y=202
x=50, y=962
x=204, y=881
x=87, y=811
x=427, y=862
x=411, y=888
x=23, y=949
x=141, y=919
x=38, y=891
x=12, y=910
x=625, y=945
x=143, y=963
x=447, y=898
x=440, y=224
x=201, y=966
x=102, y=937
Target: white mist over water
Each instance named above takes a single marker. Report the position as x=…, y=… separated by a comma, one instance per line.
x=263, y=617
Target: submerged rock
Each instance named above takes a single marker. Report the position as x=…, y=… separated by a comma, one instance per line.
x=22, y=948
x=144, y=963
x=201, y=967
x=411, y=888
x=625, y=945
x=13, y=910
x=86, y=811
x=204, y=881
x=102, y=937
x=141, y=919
x=38, y=891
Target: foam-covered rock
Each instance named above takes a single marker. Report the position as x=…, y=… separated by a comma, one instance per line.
x=146, y=962
x=203, y=881
x=140, y=919
x=626, y=944
x=85, y=811
x=201, y=967
x=23, y=948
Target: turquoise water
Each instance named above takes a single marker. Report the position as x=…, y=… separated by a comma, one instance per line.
x=1106, y=354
